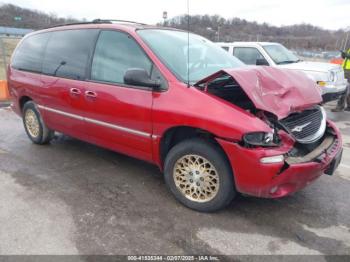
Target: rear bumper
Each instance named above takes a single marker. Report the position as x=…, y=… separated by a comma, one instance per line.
x=278, y=179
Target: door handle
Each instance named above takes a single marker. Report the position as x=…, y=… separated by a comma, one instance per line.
x=90, y=94
x=75, y=91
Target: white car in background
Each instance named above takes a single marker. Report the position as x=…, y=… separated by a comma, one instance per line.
x=329, y=77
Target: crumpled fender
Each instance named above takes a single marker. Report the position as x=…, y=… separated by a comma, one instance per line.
x=278, y=91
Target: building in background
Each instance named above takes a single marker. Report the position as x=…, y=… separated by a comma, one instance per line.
x=12, y=31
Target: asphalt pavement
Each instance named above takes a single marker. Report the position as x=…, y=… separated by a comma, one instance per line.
x=71, y=197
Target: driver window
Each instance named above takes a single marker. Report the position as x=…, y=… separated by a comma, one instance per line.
x=249, y=55
x=115, y=53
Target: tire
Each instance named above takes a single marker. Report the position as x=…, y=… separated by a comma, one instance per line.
x=34, y=125
x=187, y=159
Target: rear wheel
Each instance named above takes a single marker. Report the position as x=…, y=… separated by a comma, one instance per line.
x=199, y=175
x=34, y=125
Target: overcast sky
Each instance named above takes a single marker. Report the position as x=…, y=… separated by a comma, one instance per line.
x=330, y=14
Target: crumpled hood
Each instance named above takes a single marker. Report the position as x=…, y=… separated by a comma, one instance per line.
x=278, y=91
x=312, y=66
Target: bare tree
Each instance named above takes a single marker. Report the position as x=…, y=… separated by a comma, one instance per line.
x=302, y=36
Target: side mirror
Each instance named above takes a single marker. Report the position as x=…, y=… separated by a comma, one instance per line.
x=261, y=61
x=140, y=77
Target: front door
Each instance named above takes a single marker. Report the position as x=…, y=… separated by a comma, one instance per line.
x=119, y=116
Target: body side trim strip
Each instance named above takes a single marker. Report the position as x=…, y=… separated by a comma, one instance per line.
x=121, y=128
x=97, y=122
x=61, y=112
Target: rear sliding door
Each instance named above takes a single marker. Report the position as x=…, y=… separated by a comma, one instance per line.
x=66, y=60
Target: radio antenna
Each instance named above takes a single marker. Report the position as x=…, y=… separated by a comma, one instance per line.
x=188, y=43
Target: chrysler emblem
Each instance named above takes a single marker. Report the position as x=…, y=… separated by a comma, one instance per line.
x=300, y=128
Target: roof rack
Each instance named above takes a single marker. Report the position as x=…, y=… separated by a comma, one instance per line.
x=100, y=21
x=111, y=21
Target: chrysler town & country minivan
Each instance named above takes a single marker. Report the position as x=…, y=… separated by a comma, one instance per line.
x=214, y=126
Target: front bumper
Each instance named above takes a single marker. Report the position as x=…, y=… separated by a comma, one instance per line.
x=333, y=91
x=332, y=96
x=278, y=179
x=335, y=87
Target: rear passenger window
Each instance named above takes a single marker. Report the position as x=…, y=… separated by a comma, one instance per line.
x=68, y=52
x=115, y=53
x=29, y=54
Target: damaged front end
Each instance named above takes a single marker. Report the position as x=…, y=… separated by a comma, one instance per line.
x=289, y=103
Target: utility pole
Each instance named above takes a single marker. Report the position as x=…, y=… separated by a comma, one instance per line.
x=346, y=40
x=341, y=44
x=336, y=44
x=219, y=27
x=165, y=17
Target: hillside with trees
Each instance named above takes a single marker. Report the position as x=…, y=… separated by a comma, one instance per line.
x=29, y=18
x=302, y=36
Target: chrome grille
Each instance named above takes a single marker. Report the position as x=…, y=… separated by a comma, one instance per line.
x=307, y=126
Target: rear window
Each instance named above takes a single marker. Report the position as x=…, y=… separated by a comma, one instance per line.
x=68, y=53
x=29, y=54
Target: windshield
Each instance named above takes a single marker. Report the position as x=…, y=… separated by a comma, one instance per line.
x=200, y=58
x=280, y=54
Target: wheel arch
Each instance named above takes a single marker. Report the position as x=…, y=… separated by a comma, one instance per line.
x=177, y=134
x=24, y=99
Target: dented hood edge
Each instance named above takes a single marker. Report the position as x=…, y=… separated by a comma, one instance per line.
x=278, y=91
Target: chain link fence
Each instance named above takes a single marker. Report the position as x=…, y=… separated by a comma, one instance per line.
x=7, y=45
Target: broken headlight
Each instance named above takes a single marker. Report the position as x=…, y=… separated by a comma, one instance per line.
x=261, y=139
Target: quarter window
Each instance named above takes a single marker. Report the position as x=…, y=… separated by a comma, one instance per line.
x=29, y=54
x=67, y=53
x=115, y=53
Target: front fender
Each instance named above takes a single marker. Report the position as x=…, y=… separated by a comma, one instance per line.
x=190, y=107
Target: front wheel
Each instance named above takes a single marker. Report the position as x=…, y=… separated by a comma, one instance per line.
x=197, y=172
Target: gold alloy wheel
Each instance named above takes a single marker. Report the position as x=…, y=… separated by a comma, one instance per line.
x=196, y=178
x=32, y=123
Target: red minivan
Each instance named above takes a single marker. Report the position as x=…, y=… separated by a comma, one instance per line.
x=214, y=126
